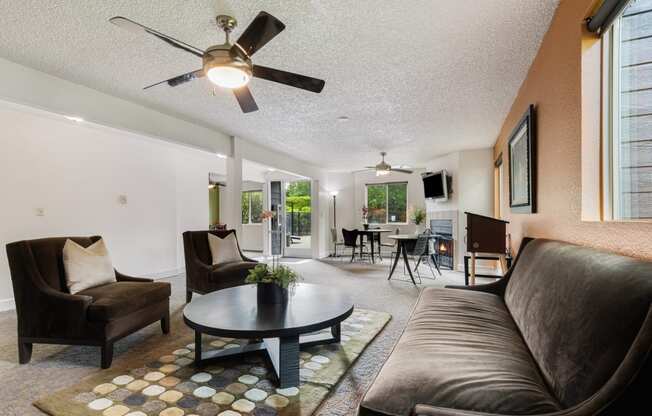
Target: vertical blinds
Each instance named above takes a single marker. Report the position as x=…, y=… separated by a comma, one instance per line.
x=605, y=15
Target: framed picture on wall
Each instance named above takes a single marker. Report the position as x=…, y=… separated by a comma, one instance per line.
x=522, y=164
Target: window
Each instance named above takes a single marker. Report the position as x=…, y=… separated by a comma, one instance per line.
x=252, y=207
x=387, y=203
x=628, y=110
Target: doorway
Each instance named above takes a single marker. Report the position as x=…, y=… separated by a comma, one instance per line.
x=298, y=218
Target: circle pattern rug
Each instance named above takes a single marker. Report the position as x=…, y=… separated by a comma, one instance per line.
x=170, y=384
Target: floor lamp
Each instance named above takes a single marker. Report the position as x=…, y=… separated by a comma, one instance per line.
x=334, y=195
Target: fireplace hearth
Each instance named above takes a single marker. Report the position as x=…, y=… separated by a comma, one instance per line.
x=445, y=244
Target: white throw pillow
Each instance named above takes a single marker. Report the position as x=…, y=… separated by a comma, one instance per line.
x=87, y=267
x=224, y=249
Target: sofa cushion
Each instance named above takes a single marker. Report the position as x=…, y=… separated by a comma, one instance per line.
x=460, y=350
x=579, y=310
x=118, y=299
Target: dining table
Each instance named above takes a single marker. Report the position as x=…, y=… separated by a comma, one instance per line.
x=371, y=234
x=403, y=242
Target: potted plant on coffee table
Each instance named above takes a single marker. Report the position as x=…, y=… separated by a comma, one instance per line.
x=274, y=283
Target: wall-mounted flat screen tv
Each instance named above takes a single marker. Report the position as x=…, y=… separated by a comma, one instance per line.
x=436, y=185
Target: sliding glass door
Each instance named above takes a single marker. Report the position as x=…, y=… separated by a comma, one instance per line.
x=298, y=212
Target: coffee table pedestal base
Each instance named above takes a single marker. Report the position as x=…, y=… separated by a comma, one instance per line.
x=283, y=353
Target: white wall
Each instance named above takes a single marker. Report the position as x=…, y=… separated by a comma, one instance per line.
x=24, y=85
x=75, y=172
x=476, y=182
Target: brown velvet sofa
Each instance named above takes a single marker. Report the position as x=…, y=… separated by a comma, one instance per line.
x=49, y=314
x=201, y=275
x=567, y=332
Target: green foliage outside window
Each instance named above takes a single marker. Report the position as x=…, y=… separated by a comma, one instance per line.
x=252, y=207
x=245, y=207
x=387, y=203
x=397, y=202
x=377, y=203
x=256, y=206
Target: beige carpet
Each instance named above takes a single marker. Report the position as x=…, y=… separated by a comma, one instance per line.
x=54, y=367
x=165, y=382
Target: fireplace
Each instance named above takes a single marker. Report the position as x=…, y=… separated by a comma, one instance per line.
x=445, y=244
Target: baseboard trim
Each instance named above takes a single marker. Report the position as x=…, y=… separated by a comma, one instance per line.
x=7, y=305
x=164, y=274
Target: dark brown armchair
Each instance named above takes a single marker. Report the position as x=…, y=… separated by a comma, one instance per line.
x=204, y=277
x=48, y=314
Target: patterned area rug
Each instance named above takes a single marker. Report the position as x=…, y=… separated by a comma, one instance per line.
x=169, y=385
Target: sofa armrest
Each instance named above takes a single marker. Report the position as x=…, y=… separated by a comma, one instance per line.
x=124, y=278
x=427, y=410
x=496, y=288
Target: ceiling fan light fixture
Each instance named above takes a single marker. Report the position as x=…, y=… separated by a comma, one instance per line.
x=229, y=76
x=382, y=172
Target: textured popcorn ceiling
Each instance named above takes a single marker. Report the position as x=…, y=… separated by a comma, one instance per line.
x=416, y=78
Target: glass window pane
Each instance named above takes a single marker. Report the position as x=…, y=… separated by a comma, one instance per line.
x=245, y=207
x=397, y=202
x=377, y=203
x=256, y=206
x=632, y=144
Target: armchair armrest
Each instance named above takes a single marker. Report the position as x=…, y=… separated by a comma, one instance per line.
x=124, y=278
x=66, y=301
x=245, y=258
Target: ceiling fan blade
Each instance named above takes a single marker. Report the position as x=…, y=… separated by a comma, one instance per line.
x=289, y=78
x=402, y=171
x=134, y=27
x=261, y=30
x=245, y=99
x=181, y=79
x=370, y=167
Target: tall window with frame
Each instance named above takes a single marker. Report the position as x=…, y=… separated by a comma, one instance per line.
x=387, y=203
x=252, y=207
x=627, y=164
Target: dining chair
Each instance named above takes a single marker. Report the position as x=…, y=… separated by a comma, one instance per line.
x=421, y=253
x=351, y=241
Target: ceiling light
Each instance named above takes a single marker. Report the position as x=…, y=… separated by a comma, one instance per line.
x=76, y=119
x=334, y=193
x=382, y=172
x=221, y=156
x=228, y=76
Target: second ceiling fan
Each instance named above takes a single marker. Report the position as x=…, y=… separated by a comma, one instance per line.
x=229, y=65
x=383, y=168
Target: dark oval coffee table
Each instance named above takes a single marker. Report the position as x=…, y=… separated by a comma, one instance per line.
x=235, y=313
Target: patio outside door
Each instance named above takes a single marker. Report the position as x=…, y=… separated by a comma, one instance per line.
x=298, y=212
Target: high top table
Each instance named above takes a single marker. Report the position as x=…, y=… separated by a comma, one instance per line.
x=371, y=234
x=402, y=241
x=235, y=313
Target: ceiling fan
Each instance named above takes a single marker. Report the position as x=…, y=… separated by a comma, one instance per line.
x=229, y=65
x=384, y=168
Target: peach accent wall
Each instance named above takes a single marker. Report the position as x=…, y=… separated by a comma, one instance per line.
x=553, y=85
